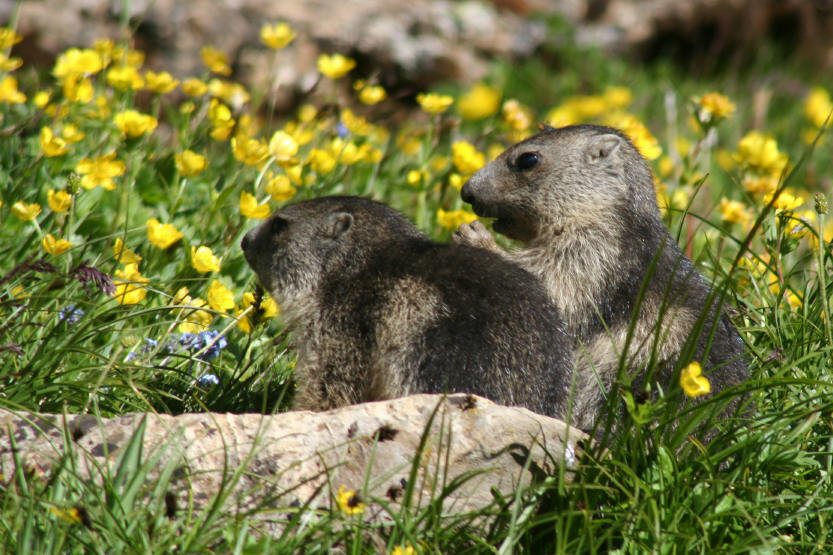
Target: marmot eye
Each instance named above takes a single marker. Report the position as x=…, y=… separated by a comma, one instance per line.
x=278, y=225
x=527, y=161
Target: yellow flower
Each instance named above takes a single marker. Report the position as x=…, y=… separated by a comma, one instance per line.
x=283, y=146
x=349, y=501
x=203, y=260
x=454, y=218
x=481, y=101
x=125, y=77
x=78, y=89
x=466, y=158
x=161, y=83
x=276, y=36
x=71, y=134
x=9, y=64
x=406, y=549
x=418, y=177
x=346, y=152
x=279, y=188
x=190, y=163
x=229, y=91
x=162, y=235
x=123, y=254
x=714, y=106
x=50, y=144
x=194, y=87
x=8, y=37
x=734, y=211
x=516, y=116
x=41, y=99
x=268, y=307
x=195, y=320
x=785, y=201
x=759, y=152
x=335, y=66
x=220, y=297
x=321, y=161
x=817, y=106
x=372, y=94
x=25, y=211
x=456, y=181
x=250, y=208
x=100, y=171
x=693, y=382
x=55, y=246
x=617, y=97
x=129, y=282
x=76, y=62
x=215, y=61
x=9, y=92
x=59, y=201
x=134, y=124
x=249, y=151
x=758, y=185
x=434, y=103
x=220, y=116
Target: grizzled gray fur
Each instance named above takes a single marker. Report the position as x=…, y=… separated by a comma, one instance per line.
x=378, y=311
x=581, y=200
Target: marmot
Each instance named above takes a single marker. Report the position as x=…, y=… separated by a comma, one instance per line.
x=581, y=199
x=378, y=310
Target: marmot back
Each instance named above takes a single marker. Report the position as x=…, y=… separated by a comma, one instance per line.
x=378, y=310
x=581, y=199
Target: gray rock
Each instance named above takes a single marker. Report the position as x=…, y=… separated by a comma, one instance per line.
x=305, y=457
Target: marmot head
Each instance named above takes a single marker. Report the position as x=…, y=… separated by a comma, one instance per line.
x=560, y=180
x=303, y=243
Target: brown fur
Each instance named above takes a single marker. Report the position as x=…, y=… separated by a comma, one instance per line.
x=581, y=200
x=378, y=310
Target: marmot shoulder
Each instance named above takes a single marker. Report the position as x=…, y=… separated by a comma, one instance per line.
x=581, y=201
x=378, y=310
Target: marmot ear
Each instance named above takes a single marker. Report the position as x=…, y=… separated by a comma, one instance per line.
x=338, y=224
x=601, y=147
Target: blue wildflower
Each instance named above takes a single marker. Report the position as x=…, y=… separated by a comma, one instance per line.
x=70, y=314
x=215, y=343
x=208, y=380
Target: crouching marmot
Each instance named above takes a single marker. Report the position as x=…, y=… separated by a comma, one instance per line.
x=379, y=311
x=581, y=199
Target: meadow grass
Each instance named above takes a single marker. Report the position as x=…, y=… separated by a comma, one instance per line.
x=122, y=288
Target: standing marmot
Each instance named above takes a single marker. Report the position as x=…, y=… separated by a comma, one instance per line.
x=378, y=311
x=582, y=201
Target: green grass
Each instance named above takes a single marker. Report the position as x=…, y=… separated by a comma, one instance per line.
x=761, y=485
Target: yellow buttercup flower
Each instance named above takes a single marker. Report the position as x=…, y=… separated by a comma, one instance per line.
x=100, y=171
x=335, y=66
x=59, y=201
x=220, y=297
x=279, y=187
x=817, y=106
x=466, y=158
x=406, y=549
x=25, y=211
x=283, y=146
x=220, y=116
x=454, y=218
x=349, y=501
x=162, y=235
x=734, y=211
x=125, y=77
x=9, y=92
x=50, y=144
x=714, y=106
x=8, y=37
x=55, y=246
x=71, y=134
x=268, y=307
x=250, y=208
x=230, y=92
x=161, y=83
x=76, y=62
x=203, y=260
x=785, y=201
x=9, y=64
x=194, y=87
x=249, y=151
x=372, y=94
x=277, y=35
x=41, y=99
x=693, y=382
x=129, y=283
x=195, y=320
x=481, y=101
x=189, y=163
x=78, y=89
x=434, y=103
x=134, y=124
x=215, y=60
x=123, y=254
x=321, y=161
x=516, y=115
x=759, y=152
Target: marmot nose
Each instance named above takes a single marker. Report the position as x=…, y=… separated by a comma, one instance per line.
x=466, y=192
x=245, y=242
